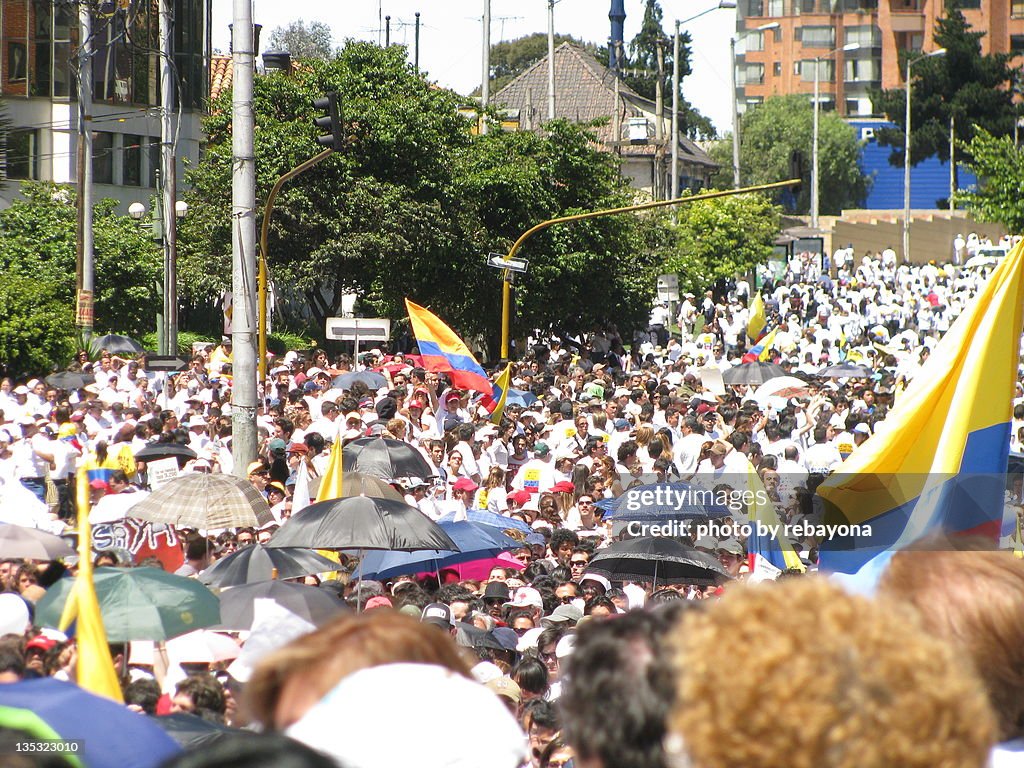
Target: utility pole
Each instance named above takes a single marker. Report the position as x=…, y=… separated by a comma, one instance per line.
x=617, y=113
x=243, y=243
x=416, y=54
x=485, y=82
x=86, y=269
x=675, y=114
x=735, y=115
x=659, y=128
x=169, y=176
x=387, y=31
x=952, y=162
x=551, y=59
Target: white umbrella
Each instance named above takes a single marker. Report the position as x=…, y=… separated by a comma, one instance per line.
x=783, y=386
x=202, y=646
x=114, y=507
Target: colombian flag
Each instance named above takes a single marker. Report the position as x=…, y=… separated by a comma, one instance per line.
x=495, y=402
x=760, y=350
x=938, y=463
x=444, y=352
x=758, y=319
x=777, y=552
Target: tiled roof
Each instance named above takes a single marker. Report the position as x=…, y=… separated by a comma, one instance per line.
x=221, y=69
x=584, y=92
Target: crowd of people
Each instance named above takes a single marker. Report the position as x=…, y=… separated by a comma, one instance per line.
x=541, y=660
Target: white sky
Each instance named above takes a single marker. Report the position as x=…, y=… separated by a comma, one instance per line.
x=451, y=34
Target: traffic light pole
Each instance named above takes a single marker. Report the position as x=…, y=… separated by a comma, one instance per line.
x=264, y=246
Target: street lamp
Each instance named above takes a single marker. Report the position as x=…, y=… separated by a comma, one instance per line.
x=675, y=90
x=906, y=155
x=167, y=329
x=735, y=106
x=815, y=200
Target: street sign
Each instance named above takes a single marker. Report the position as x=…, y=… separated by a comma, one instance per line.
x=498, y=261
x=169, y=363
x=359, y=328
x=668, y=288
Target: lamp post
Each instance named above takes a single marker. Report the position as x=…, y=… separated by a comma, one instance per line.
x=675, y=90
x=815, y=168
x=906, y=154
x=165, y=334
x=735, y=105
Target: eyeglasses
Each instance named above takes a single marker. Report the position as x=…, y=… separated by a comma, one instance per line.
x=582, y=503
x=579, y=563
x=566, y=599
x=549, y=656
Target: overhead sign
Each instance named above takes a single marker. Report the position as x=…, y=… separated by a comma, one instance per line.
x=158, y=363
x=359, y=329
x=668, y=288
x=498, y=261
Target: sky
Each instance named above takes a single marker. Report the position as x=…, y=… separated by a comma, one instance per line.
x=451, y=33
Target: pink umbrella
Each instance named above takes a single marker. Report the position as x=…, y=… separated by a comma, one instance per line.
x=476, y=570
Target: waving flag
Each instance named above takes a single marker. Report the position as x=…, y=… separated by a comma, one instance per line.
x=495, y=402
x=939, y=463
x=761, y=350
x=444, y=352
x=769, y=554
x=758, y=320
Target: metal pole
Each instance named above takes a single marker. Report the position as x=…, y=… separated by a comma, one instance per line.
x=952, y=162
x=86, y=255
x=551, y=59
x=506, y=293
x=814, y=145
x=675, y=114
x=416, y=54
x=170, y=179
x=485, y=77
x=735, y=116
x=906, y=173
x=243, y=240
x=387, y=31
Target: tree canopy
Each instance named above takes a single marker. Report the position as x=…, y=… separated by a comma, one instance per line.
x=414, y=205
x=780, y=130
x=999, y=165
x=303, y=41
x=961, y=84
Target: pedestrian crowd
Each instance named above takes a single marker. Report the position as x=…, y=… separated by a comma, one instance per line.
x=539, y=656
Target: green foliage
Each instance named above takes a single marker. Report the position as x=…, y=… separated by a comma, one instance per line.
x=38, y=242
x=281, y=342
x=511, y=58
x=720, y=238
x=999, y=165
x=185, y=341
x=37, y=327
x=772, y=133
x=962, y=84
x=413, y=206
x=302, y=41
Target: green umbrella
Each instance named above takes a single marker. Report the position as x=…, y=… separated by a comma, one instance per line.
x=139, y=604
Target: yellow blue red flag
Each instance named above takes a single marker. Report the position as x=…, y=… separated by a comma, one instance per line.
x=776, y=549
x=758, y=319
x=495, y=402
x=938, y=463
x=445, y=352
x=762, y=349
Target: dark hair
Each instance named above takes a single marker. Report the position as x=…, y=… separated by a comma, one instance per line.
x=11, y=660
x=207, y=695
x=535, y=569
x=531, y=675
x=143, y=693
x=561, y=535
x=542, y=713
x=251, y=750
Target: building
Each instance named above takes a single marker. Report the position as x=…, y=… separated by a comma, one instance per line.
x=39, y=63
x=585, y=91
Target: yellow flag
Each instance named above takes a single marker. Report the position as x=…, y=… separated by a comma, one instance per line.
x=766, y=345
x=502, y=384
x=96, y=672
x=758, y=319
x=332, y=482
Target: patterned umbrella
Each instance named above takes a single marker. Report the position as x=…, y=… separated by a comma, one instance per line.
x=258, y=563
x=19, y=542
x=383, y=457
x=206, y=502
x=846, y=370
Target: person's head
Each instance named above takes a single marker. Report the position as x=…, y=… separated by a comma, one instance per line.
x=288, y=682
x=974, y=600
x=567, y=592
x=563, y=542
x=900, y=694
x=251, y=750
x=198, y=694
x=547, y=644
x=541, y=721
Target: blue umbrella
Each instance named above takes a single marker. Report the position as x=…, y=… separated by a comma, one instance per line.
x=520, y=397
x=491, y=520
x=681, y=501
x=109, y=734
x=474, y=541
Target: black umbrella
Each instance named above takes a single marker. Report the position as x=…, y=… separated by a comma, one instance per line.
x=258, y=563
x=193, y=732
x=384, y=457
x=116, y=344
x=317, y=606
x=846, y=370
x=70, y=380
x=752, y=374
x=362, y=522
x=657, y=559
x=155, y=451
x=371, y=379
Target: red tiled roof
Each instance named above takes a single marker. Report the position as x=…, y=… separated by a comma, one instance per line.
x=221, y=69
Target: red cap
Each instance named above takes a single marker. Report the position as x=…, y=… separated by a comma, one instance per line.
x=298, y=448
x=520, y=497
x=704, y=408
x=465, y=484
x=563, y=486
x=416, y=404
x=42, y=642
x=98, y=485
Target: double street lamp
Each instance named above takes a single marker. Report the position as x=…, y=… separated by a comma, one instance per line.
x=815, y=168
x=735, y=105
x=911, y=61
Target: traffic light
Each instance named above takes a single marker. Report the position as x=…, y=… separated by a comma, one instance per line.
x=330, y=122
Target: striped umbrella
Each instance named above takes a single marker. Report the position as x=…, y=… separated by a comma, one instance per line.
x=206, y=501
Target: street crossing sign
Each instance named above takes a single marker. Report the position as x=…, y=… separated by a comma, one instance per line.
x=498, y=261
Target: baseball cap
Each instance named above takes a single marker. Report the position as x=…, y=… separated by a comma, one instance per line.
x=256, y=466
x=597, y=578
x=40, y=642
x=438, y=614
x=563, y=486
x=541, y=448
x=21, y=390
x=465, y=484
x=496, y=590
x=507, y=687
x=196, y=421
x=526, y=596
x=563, y=614
x=377, y=602
x=862, y=429
x=730, y=546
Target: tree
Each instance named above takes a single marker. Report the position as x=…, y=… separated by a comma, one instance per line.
x=413, y=205
x=962, y=84
x=37, y=329
x=780, y=131
x=999, y=165
x=720, y=238
x=302, y=41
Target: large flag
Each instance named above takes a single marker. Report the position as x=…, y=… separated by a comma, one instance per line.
x=769, y=554
x=332, y=483
x=758, y=319
x=938, y=462
x=96, y=672
x=495, y=402
x=444, y=352
x=762, y=349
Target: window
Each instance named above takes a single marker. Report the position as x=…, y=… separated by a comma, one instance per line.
x=750, y=74
x=865, y=35
x=22, y=159
x=753, y=42
x=818, y=37
x=1016, y=43
x=776, y=7
x=862, y=70
x=1016, y=8
x=826, y=70
x=970, y=4
x=754, y=8
x=102, y=157
x=777, y=68
x=131, y=160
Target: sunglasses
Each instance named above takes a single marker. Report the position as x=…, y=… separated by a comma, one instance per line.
x=579, y=563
